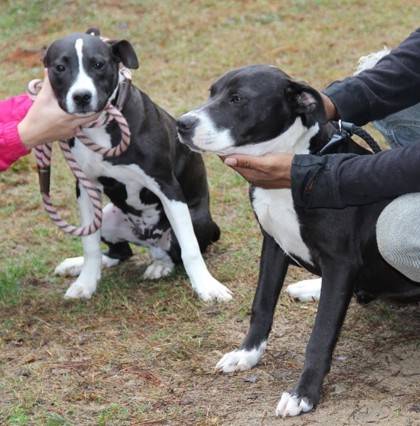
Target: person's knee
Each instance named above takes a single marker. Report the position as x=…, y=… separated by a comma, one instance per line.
x=398, y=235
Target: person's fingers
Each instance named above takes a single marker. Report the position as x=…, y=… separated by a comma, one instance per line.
x=230, y=161
x=249, y=174
x=87, y=120
x=243, y=161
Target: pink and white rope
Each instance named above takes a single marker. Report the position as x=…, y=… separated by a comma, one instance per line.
x=43, y=157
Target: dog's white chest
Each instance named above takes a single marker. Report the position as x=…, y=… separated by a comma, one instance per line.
x=277, y=216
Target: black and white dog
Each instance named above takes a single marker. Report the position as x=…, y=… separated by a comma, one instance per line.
x=158, y=188
x=258, y=110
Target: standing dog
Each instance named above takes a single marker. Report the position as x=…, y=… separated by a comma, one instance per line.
x=258, y=110
x=158, y=188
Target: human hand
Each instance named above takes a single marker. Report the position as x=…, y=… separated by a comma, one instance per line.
x=271, y=171
x=47, y=122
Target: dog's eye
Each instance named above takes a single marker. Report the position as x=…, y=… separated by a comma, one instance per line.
x=60, y=68
x=234, y=99
x=98, y=65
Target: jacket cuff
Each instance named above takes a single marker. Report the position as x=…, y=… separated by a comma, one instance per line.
x=313, y=185
x=16, y=148
x=349, y=99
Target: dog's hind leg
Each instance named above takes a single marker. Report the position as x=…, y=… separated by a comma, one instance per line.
x=273, y=269
x=337, y=289
x=161, y=266
x=115, y=233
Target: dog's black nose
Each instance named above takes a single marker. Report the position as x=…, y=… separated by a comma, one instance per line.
x=186, y=123
x=82, y=98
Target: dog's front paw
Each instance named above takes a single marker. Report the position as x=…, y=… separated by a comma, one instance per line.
x=212, y=291
x=293, y=405
x=241, y=359
x=80, y=290
x=70, y=267
x=158, y=269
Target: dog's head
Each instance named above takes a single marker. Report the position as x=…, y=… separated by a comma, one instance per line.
x=84, y=70
x=253, y=110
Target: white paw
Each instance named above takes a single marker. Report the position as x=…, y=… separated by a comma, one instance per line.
x=241, y=359
x=291, y=405
x=70, y=267
x=211, y=290
x=109, y=262
x=306, y=290
x=158, y=269
x=79, y=290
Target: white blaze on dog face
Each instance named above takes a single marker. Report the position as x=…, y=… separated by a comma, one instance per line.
x=83, y=87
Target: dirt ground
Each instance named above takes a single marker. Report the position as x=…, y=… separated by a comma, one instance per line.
x=143, y=352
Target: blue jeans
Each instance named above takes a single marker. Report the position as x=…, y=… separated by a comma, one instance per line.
x=398, y=226
x=401, y=128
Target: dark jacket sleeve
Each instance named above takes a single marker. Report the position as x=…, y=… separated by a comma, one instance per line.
x=392, y=85
x=340, y=180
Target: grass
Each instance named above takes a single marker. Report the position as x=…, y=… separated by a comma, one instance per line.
x=143, y=352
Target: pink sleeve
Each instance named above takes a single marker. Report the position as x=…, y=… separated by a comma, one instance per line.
x=12, y=111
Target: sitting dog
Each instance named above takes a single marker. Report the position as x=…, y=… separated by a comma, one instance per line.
x=258, y=110
x=157, y=187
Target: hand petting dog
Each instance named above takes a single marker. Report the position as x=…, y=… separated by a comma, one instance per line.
x=271, y=171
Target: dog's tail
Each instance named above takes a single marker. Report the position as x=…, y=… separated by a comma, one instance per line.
x=369, y=61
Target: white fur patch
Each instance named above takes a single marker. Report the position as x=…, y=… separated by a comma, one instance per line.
x=241, y=359
x=291, y=405
x=82, y=83
x=276, y=214
x=306, y=290
x=369, y=61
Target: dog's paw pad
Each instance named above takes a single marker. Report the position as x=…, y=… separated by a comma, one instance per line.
x=213, y=291
x=70, y=267
x=241, y=359
x=292, y=405
x=158, y=269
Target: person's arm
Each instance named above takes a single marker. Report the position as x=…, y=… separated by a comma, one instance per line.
x=342, y=180
x=391, y=85
x=336, y=180
x=12, y=112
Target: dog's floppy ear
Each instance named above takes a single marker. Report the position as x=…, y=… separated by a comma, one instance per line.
x=125, y=53
x=93, y=31
x=304, y=100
